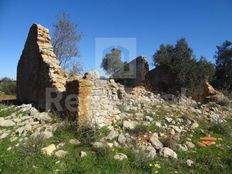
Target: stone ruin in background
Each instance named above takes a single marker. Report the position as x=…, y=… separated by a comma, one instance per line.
x=38, y=70
x=97, y=101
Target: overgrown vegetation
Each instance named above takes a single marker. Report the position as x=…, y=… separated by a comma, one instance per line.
x=223, y=76
x=179, y=62
x=8, y=86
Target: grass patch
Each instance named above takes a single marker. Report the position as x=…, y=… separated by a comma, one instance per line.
x=4, y=111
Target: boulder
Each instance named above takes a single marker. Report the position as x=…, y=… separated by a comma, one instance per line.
x=130, y=125
x=6, y=123
x=155, y=142
x=167, y=152
x=49, y=150
x=112, y=135
x=61, y=153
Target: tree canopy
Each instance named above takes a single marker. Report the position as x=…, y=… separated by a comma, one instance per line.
x=179, y=60
x=64, y=39
x=223, y=76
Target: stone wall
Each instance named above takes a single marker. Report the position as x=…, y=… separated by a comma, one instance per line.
x=96, y=101
x=38, y=69
x=134, y=72
x=158, y=79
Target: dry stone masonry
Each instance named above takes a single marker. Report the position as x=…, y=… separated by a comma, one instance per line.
x=97, y=100
x=38, y=68
x=92, y=101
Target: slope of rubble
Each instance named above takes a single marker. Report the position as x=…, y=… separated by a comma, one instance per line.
x=150, y=136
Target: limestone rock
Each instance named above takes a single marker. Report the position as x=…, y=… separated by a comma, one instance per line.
x=61, y=153
x=74, y=141
x=112, y=135
x=38, y=68
x=122, y=138
x=190, y=144
x=120, y=156
x=6, y=123
x=4, y=135
x=189, y=162
x=49, y=149
x=83, y=154
x=129, y=124
x=155, y=142
x=167, y=152
x=99, y=145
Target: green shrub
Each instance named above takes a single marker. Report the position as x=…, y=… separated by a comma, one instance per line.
x=140, y=129
x=220, y=128
x=102, y=151
x=31, y=147
x=224, y=102
x=8, y=86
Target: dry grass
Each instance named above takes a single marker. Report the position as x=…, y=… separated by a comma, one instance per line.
x=6, y=97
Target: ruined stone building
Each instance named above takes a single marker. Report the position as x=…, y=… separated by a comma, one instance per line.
x=38, y=69
x=88, y=100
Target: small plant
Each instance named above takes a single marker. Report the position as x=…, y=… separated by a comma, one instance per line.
x=139, y=160
x=224, y=102
x=220, y=128
x=4, y=112
x=140, y=129
x=87, y=135
x=31, y=147
x=102, y=151
x=170, y=142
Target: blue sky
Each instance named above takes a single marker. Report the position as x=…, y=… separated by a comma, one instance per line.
x=204, y=23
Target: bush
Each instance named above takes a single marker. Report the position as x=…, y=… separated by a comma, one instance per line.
x=8, y=86
x=224, y=102
x=179, y=63
x=88, y=135
x=31, y=147
x=140, y=129
x=220, y=128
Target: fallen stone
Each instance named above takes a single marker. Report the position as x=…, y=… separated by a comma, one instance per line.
x=190, y=144
x=130, y=125
x=148, y=118
x=99, y=145
x=167, y=152
x=189, y=162
x=112, y=135
x=4, y=135
x=74, y=142
x=61, y=153
x=47, y=134
x=182, y=147
x=6, y=123
x=49, y=149
x=122, y=138
x=83, y=154
x=155, y=142
x=194, y=125
x=120, y=156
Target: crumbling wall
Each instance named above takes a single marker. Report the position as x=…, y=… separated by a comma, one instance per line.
x=134, y=73
x=96, y=101
x=38, y=69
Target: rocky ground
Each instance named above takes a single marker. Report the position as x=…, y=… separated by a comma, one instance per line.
x=151, y=136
